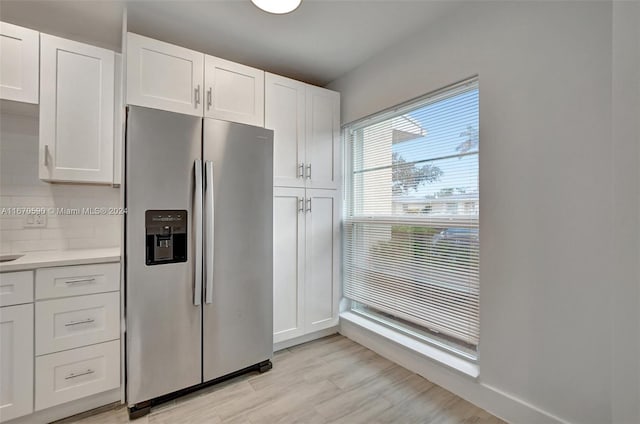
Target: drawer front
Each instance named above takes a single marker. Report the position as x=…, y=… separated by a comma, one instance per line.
x=76, y=321
x=76, y=280
x=73, y=374
x=16, y=288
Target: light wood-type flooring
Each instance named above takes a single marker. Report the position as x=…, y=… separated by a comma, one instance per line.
x=331, y=380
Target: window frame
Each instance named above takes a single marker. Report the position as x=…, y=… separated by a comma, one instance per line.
x=348, y=131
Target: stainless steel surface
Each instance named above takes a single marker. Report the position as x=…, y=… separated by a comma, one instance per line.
x=85, y=321
x=301, y=204
x=197, y=95
x=81, y=281
x=163, y=338
x=309, y=205
x=9, y=258
x=173, y=339
x=301, y=170
x=197, y=222
x=237, y=326
x=72, y=375
x=309, y=171
x=209, y=212
x=46, y=155
x=209, y=97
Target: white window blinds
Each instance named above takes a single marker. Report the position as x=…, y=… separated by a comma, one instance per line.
x=411, y=231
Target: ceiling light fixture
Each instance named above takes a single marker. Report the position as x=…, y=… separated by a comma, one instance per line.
x=278, y=7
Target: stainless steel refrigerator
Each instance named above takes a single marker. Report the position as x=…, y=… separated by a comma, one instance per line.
x=198, y=252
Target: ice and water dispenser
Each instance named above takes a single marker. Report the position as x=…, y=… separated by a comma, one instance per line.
x=166, y=232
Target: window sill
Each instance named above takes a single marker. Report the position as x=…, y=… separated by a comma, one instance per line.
x=445, y=358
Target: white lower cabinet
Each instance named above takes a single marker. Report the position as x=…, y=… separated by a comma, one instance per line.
x=306, y=261
x=16, y=361
x=288, y=263
x=65, y=376
x=322, y=259
x=65, y=281
x=16, y=288
x=70, y=329
x=76, y=321
x=77, y=332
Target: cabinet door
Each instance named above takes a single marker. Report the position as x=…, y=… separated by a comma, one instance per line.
x=76, y=111
x=322, y=259
x=18, y=63
x=164, y=76
x=323, y=138
x=119, y=118
x=16, y=361
x=285, y=114
x=288, y=263
x=234, y=92
x=63, y=324
x=16, y=288
x=73, y=374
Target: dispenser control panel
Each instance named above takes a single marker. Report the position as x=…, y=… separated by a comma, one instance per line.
x=166, y=236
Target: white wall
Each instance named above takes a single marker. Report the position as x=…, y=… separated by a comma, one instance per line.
x=546, y=183
x=626, y=162
x=20, y=187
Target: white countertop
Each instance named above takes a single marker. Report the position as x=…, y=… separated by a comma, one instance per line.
x=33, y=260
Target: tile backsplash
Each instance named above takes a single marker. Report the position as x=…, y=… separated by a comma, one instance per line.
x=20, y=188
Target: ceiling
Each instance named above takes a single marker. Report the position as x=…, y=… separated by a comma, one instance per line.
x=320, y=41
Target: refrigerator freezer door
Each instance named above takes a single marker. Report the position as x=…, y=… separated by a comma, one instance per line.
x=163, y=323
x=238, y=323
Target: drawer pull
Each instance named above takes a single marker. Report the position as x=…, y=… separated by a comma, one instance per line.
x=72, y=375
x=86, y=321
x=84, y=280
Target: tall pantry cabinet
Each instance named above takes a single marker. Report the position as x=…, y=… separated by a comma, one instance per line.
x=307, y=175
x=305, y=120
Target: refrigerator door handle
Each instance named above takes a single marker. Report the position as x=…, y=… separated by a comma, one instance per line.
x=209, y=212
x=197, y=212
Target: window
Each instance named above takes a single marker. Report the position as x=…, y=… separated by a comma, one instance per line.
x=411, y=229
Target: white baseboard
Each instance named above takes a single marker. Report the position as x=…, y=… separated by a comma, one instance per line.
x=496, y=402
x=71, y=408
x=304, y=339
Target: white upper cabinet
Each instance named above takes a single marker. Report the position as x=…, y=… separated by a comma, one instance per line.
x=285, y=114
x=306, y=124
x=168, y=77
x=164, y=76
x=322, y=138
x=19, y=49
x=233, y=92
x=76, y=112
